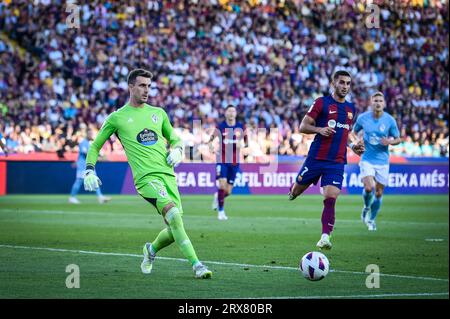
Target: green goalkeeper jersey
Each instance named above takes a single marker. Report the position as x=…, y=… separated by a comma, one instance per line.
x=145, y=133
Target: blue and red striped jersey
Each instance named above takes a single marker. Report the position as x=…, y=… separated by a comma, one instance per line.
x=326, y=111
x=231, y=138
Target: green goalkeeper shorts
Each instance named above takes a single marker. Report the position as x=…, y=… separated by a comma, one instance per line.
x=160, y=190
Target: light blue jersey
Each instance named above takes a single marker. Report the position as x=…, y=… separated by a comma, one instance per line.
x=83, y=148
x=374, y=130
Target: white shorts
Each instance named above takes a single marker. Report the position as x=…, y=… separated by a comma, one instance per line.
x=380, y=172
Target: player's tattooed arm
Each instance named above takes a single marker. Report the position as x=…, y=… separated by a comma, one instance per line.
x=308, y=126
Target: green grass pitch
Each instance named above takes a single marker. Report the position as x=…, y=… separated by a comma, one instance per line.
x=255, y=254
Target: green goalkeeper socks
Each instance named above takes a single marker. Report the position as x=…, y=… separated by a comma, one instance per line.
x=164, y=239
x=173, y=216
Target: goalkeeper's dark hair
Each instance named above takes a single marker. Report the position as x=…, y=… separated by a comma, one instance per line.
x=339, y=73
x=138, y=72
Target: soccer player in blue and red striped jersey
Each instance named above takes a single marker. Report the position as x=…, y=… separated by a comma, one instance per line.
x=233, y=137
x=331, y=119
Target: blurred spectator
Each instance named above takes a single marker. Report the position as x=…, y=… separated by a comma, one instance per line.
x=269, y=58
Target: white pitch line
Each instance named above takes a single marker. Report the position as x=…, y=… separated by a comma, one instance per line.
x=144, y=215
x=213, y=262
x=419, y=294
x=390, y=275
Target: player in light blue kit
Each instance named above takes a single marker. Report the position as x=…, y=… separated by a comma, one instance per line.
x=380, y=131
x=83, y=148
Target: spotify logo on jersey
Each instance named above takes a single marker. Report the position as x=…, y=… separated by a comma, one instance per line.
x=333, y=124
x=147, y=137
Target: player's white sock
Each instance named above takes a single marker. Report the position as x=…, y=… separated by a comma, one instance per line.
x=215, y=203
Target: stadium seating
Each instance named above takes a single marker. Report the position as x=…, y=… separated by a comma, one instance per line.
x=271, y=61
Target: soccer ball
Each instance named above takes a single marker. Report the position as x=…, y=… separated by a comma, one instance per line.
x=314, y=266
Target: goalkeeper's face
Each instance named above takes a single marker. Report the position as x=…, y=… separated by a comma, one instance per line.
x=140, y=89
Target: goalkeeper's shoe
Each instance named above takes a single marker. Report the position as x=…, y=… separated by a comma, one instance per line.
x=365, y=214
x=324, y=242
x=202, y=272
x=149, y=258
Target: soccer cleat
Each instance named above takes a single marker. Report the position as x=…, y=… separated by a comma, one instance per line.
x=324, y=242
x=202, y=272
x=149, y=258
x=215, y=204
x=364, y=214
x=371, y=225
x=221, y=215
x=104, y=199
x=74, y=200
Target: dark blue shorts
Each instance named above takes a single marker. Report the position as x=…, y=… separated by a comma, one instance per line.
x=227, y=171
x=330, y=173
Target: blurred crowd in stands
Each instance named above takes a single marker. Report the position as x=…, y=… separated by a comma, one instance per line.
x=270, y=59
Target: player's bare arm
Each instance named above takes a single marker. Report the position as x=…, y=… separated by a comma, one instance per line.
x=356, y=144
x=308, y=126
x=391, y=141
x=211, y=140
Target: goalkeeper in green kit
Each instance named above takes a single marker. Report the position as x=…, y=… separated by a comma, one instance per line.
x=146, y=133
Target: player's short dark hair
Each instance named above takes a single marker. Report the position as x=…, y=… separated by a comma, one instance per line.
x=230, y=106
x=339, y=73
x=138, y=72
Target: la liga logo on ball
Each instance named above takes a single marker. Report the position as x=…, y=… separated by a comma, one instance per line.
x=314, y=266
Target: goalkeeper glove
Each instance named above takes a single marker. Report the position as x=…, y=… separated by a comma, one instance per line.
x=91, y=181
x=175, y=156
